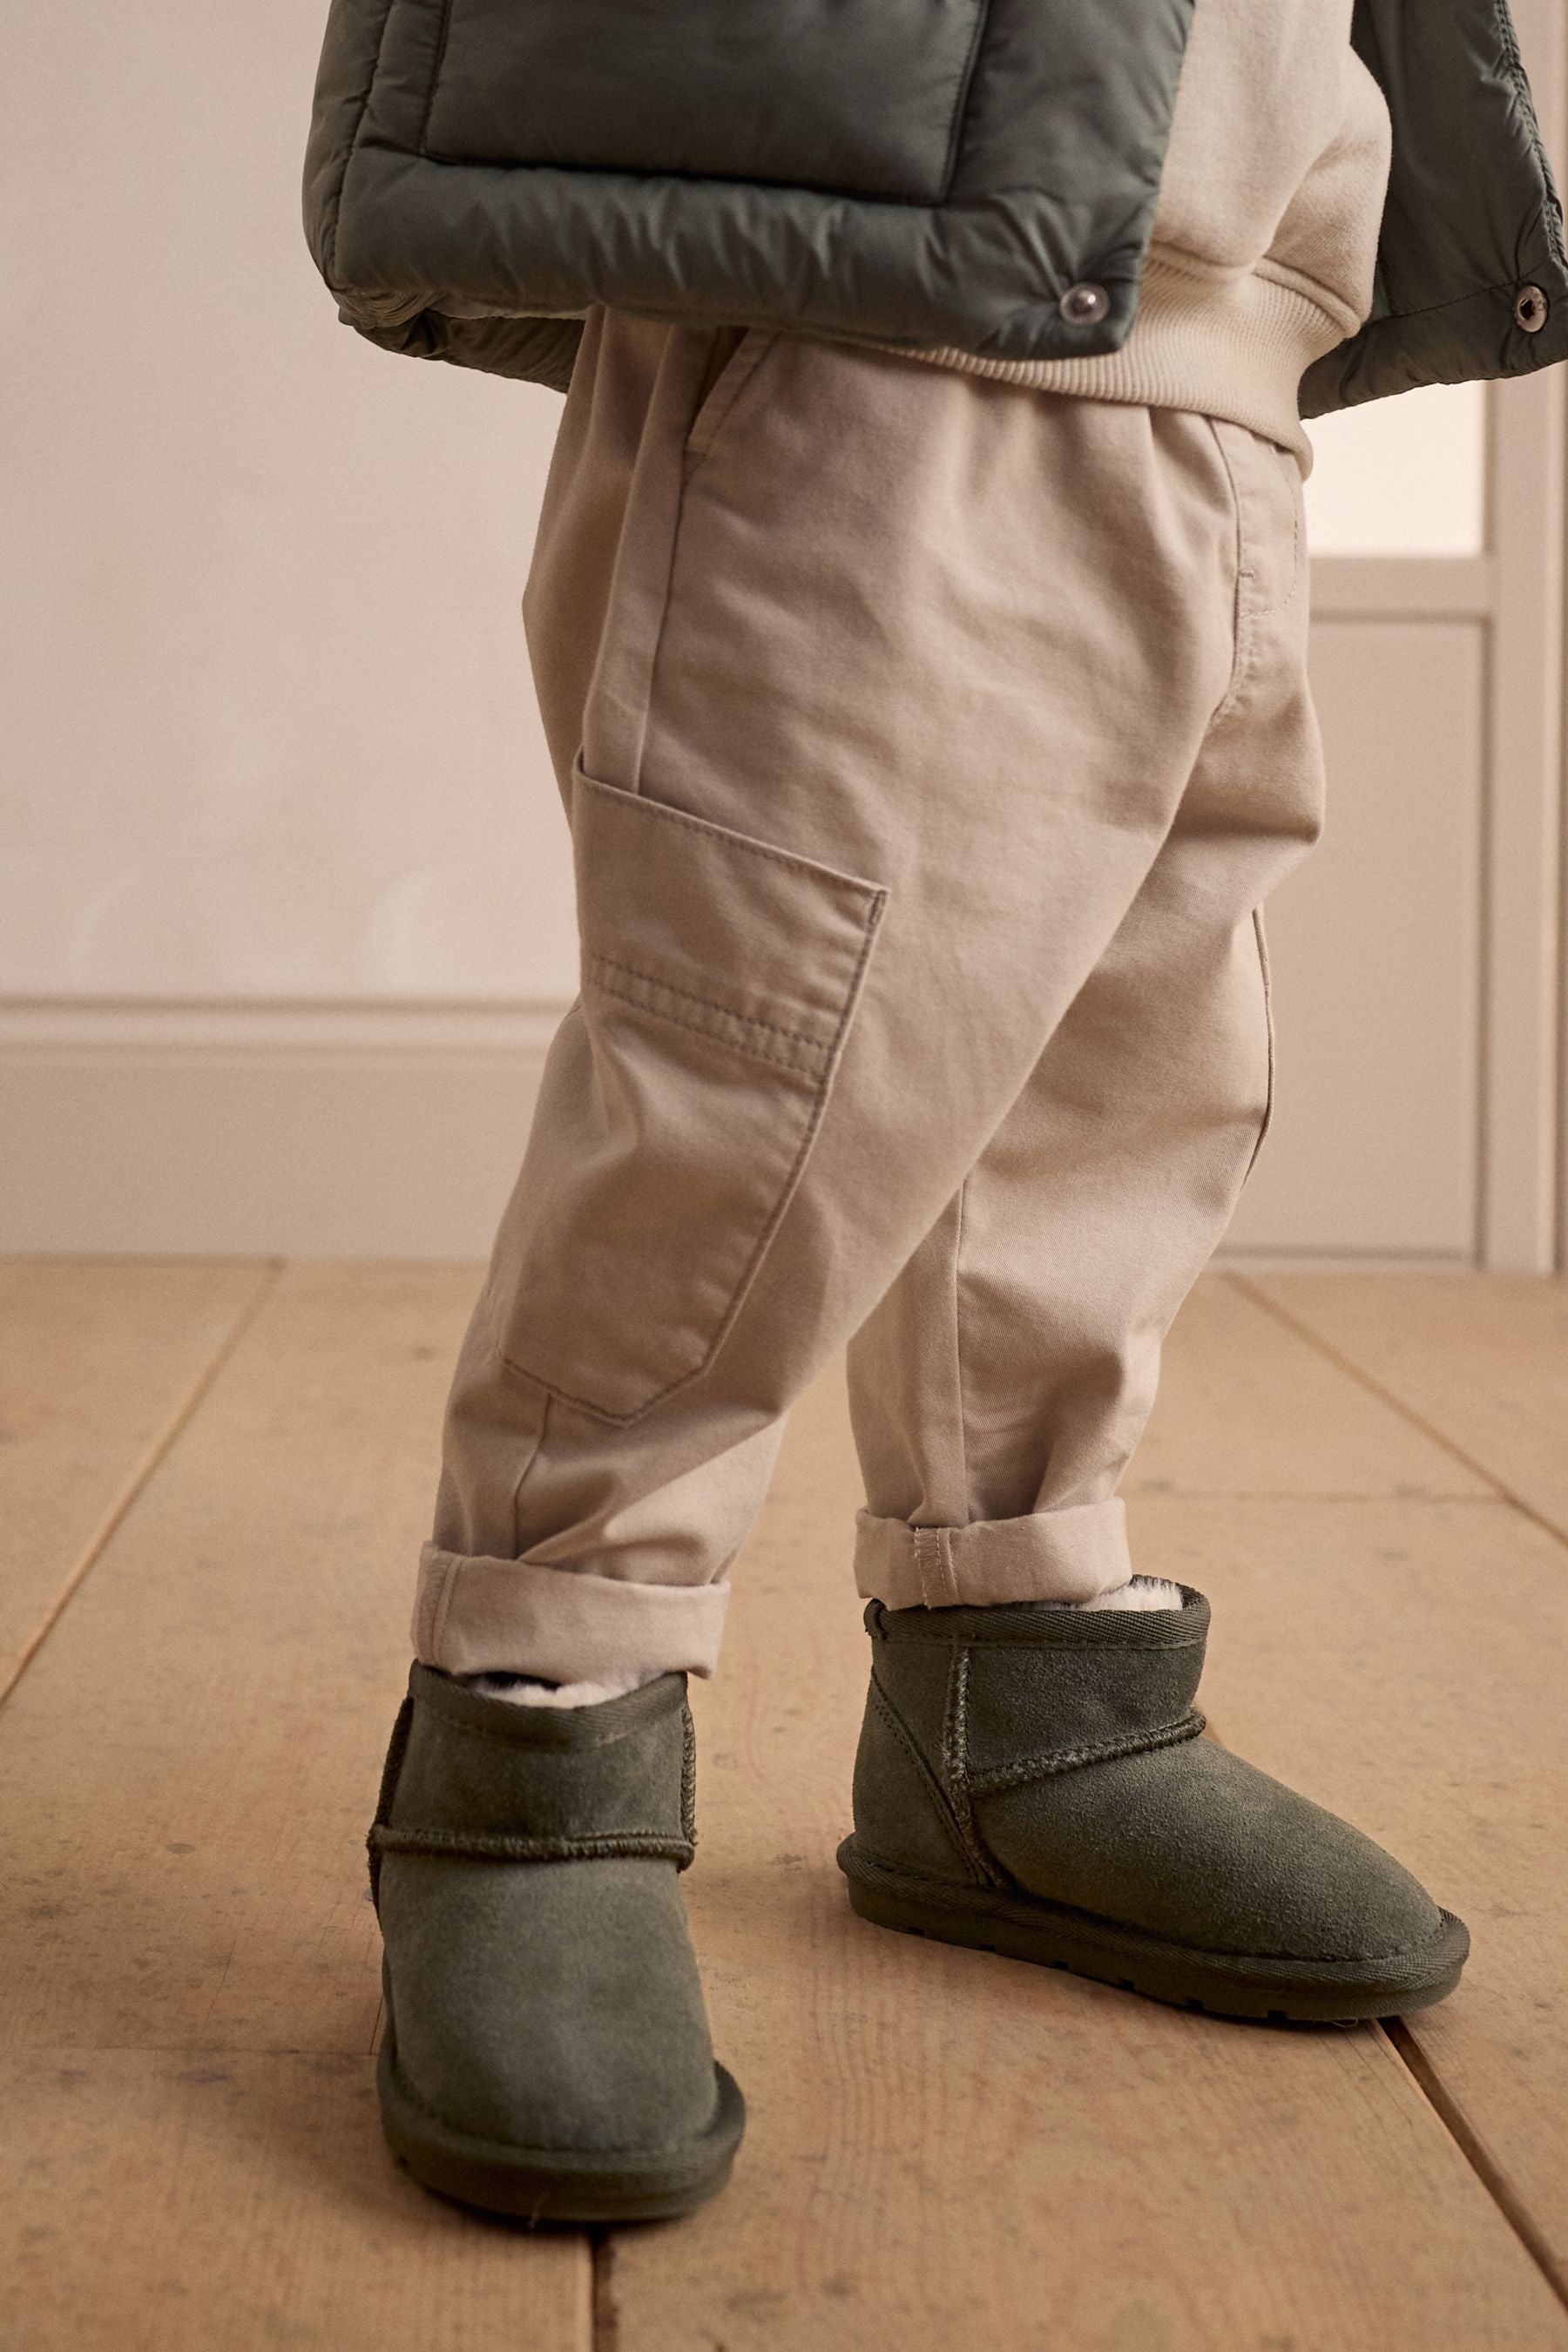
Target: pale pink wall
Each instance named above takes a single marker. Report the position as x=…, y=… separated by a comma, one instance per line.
x=268, y=728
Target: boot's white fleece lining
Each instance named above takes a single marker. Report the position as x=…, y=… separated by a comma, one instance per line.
x=518, y=1691
x=1140, y=1592
x=1144, y=1592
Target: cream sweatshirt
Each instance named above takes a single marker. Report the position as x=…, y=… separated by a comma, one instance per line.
x=1265, y=233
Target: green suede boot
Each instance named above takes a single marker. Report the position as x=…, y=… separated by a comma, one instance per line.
x=1030, y=1780
x=546, y=2051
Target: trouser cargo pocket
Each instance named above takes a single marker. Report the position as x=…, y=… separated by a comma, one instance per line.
x=680, y=1099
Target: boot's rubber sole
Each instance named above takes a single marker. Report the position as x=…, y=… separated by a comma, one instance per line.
x=1268, y=1986
x=556, y=2184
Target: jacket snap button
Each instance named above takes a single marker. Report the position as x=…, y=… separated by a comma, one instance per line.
x=1530, y=310
x=1085, y=305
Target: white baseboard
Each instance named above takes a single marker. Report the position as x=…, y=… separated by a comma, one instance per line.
x=250, y=1130
x=1285, y=1260
x=263, y=1129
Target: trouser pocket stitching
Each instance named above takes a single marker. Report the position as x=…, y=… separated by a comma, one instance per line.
x=680, y=1100
x=737, y=1299
x=743, y=1031
x=722, y=394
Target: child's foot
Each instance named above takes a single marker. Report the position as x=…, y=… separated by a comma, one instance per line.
x=546, y=2051
x=1030, y=1780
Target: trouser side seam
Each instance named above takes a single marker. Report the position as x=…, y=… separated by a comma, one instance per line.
x=517, y=1543
x=620, y=692
x=1241, y=649
x=1267, y=1120
x=934, y=1566
x=441, y=1604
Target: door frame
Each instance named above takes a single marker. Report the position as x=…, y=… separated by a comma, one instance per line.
x=1514, y=591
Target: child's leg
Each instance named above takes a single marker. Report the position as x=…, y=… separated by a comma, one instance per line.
x=939, y=737
x=1030, y=1778
x=1000, y=1386
x=899, y=681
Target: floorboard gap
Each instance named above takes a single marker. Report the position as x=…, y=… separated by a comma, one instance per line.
x=157, y=1454
x=1453, y=2119
x=606, y=2318
x=1374, y=1387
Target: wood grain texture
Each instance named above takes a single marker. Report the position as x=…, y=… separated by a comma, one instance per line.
x=943, y=2144
x=98, y=1362
x=188, y=1969
x=1481, y=1359
x=1405, y=1665
x=1247, y=1406
x=173, y=2201
x=188, y=1767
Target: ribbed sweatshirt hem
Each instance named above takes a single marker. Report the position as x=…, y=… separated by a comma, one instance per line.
x=1233, y=347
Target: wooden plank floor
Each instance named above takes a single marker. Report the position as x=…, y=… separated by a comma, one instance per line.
x=218, y=1480
x=102, y=1363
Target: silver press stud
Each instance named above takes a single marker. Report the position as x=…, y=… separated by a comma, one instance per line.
x=1084, y=305
x=1530, y=310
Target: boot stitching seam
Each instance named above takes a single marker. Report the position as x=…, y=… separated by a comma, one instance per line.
x=955, y=1761
x=1072, y=1759
x=893, y=1722
x=593, y=1845
x=688, y=1775
x=1018, y=1639
x=524, y=1747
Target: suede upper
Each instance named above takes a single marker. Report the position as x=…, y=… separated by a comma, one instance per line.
x=543, y=1993
x=1053, y=1752
x=1045, y=1688
x=475, y=1774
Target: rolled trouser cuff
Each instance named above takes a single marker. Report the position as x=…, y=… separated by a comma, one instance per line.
x=477, y=1616
x=1068, y=1554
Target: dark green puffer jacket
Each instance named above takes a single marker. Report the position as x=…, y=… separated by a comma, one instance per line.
x=975, y=173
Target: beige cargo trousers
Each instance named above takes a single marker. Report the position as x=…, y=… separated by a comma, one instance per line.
x=928, y=744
